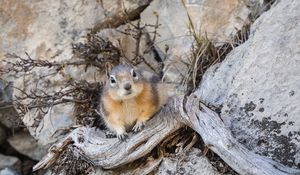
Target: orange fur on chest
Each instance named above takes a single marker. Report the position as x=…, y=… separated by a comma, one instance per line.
x=128, y=111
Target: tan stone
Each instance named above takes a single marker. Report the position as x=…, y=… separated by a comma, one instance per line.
x=220, y=20
x=25, y=144
x=46, y=30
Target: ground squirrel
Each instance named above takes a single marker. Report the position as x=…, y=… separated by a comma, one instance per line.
x=130, y=97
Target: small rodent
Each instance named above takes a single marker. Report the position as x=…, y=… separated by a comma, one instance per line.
x=130, y=98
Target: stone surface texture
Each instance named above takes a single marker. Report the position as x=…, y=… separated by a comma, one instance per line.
x=122, y=37
x=192, y=162
x=220, y=20
x=8, y=171
x=9, y=161
x=25, y=144
x=257, y=86
x=8, y=114
x=46, y=31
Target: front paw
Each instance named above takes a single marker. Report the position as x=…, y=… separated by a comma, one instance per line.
x=122, y=137
x=138, y=126
x=110, y=134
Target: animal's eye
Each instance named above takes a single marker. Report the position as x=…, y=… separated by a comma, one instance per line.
x=133, y=73
x=112, y=80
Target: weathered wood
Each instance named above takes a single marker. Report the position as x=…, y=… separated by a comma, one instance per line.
x=111, y=153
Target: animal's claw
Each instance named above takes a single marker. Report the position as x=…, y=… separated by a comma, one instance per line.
x=110, y=134
x=138, y=126
x=122, y=137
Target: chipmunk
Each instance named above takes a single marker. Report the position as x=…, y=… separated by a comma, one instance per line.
x=130, y=98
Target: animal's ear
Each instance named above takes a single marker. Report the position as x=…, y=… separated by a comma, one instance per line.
x=129, y=65
x=108, y=68
x=133, y=73
x=107, y=74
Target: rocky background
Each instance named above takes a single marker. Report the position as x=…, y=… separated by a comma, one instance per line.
x=254, y=84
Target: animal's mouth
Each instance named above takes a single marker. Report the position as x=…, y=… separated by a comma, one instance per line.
x=127, y=93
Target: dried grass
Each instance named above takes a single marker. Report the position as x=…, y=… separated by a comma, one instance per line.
x=204, y=53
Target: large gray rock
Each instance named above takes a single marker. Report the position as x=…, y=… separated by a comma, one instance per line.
x=209, y=17
x=190, y=163
x=8, y=171
x=124, y=38
x=45, y=30
x=258, y=84
x=9, y=161
x=6, y=92
x=25, y=144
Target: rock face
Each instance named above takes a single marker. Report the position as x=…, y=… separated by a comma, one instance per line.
x=46, y=31
x=25, y=144
x=258, y=83
x=8, y=161
x=219, y=19
x=192, y=163
x=128, y=44
x=43, y=29
x=8, y=115
x=8, y=171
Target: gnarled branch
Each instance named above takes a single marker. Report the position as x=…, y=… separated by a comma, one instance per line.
x=111, y=153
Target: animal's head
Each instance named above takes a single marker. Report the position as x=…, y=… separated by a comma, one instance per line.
x=124, y=82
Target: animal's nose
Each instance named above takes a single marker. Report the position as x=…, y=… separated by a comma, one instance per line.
x=127, y=86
